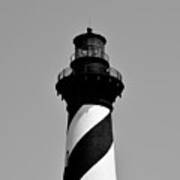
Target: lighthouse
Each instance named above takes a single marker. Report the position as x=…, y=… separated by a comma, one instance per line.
x=89, y=87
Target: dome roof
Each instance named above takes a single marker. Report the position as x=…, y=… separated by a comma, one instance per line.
x=80, y=39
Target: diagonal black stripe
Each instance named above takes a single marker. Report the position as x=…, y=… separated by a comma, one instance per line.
x=73, y=109
x=90, y=149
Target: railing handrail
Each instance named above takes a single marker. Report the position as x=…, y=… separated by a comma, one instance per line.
x=115, y=73
x=64, y=73
x=104, y=56
x=111, y=71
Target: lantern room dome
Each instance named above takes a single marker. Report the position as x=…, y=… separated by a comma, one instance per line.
x=78, y=40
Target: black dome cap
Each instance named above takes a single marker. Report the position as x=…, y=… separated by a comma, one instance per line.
x=78, y=40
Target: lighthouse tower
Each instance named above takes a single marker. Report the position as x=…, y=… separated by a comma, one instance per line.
x=89, y=87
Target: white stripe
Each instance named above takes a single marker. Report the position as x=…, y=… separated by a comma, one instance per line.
x=104, y=169
x=84, y=120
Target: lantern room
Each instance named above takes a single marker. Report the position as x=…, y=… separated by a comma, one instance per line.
x=90, y=45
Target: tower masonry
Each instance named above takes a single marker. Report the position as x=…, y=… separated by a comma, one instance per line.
x=89, y=86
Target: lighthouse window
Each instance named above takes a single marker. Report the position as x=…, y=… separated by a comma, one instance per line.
x=81, y=53
x=92, y=51
x=91, y=48
x=84, y=52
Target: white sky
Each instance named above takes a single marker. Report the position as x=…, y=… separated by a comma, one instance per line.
x=35, y=44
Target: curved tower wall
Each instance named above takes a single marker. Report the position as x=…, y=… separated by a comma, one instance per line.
x=89, y=87
x=90, y=147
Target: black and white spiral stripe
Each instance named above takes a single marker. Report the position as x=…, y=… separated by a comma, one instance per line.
x=90, y=148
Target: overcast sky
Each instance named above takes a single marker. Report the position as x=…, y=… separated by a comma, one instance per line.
x=143, y=44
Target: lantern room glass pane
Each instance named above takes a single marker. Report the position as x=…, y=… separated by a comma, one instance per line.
x=92, y=48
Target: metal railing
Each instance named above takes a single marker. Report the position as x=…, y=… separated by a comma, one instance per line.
x=114, y=73
x=68, y=71
x=103, y=56
x=65, y=72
